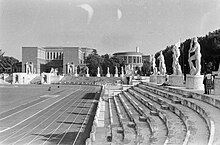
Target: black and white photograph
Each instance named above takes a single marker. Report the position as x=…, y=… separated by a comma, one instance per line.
x=109, y=72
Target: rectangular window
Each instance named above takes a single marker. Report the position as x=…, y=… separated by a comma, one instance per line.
x=129, y=59
x=134, y=59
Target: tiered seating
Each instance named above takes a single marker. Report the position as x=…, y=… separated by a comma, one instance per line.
x=211, y=111
x=197, y=121
x=177, y=131
x=156, y=125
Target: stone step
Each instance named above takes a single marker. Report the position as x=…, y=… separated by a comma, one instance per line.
x=157, y=125
x=211, y=111
x=176, y=126
x=195, y=122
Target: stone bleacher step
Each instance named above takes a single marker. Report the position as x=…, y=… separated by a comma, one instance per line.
x=157, y=126
x=199, y=129
x=212, y=112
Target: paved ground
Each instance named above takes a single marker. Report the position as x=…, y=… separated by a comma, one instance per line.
x=33, y=115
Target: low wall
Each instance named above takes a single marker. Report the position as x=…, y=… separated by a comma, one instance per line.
x=23, y=78
x=203, y=97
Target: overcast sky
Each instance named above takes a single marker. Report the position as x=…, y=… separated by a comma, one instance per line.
x=108, y=25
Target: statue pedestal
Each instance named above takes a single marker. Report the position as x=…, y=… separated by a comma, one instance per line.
x=87, y=75
x=122, y=75
x=76, y=75
x=98, y=75
x=217, y=85
x=116, y=75
x=194, y=82
x=108, y=75
x=161, y=79
x=153, y=78
x=176, y=80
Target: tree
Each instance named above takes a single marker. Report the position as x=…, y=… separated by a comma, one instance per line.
x=210, y=50
x=112, y=62
x=93, y=61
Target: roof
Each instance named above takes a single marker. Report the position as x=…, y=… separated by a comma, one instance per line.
x=128, y=53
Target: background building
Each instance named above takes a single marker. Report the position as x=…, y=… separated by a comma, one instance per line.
x=45, y=58
x=136, y=59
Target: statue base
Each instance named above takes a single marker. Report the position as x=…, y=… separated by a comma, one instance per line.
x=161, y=79
x=108, y=75
x=76, y=75
x=153, y=78
x=217, y=85
x=176, y=80
x=116, y=75
x=98, y=75
x=194, y=82
x=87, y=75
x=122, y=75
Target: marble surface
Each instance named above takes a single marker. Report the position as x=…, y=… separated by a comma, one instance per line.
x=217, y=85
x=176, y=80
x=160, y=79
x=153, y=78
x=194, y=82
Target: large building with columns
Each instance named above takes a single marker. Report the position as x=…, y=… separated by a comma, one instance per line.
x=45, y=58
x=136, y=58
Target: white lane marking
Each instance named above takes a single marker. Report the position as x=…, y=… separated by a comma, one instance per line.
x=49, y=96
x=83, y=122
x=36, y=113
x=50, y=123
x=13, y=133
x=54, y=121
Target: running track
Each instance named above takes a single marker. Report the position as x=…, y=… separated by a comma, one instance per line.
x=50, y=119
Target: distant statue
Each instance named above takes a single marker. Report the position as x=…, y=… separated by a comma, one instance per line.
x=87, y=70
x=162, y=66
x=56, y=71
x=98, y=72
x=154, y=66
x=27, y=67
x=31, y=67
x=176, y=66
x=116, y=70
x=194, y=57
x=122, y=71
x=51, y=70
x=107, y=70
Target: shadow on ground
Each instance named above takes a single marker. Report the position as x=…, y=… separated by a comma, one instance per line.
x=53, y=139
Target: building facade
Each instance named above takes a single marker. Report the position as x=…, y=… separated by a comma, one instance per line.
x=45, y=58
x=134, y=59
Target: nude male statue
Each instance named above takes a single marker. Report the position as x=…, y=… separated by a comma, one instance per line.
x=194, y=57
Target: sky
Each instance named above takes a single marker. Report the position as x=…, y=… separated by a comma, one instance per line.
x=107, y=25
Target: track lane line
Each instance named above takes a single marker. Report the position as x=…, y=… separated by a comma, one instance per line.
x=37, y=112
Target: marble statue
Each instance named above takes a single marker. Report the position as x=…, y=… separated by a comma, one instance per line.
x=87, y=70
x=194, y=57
x=76, y=71
x=98, y=72
x=162, y=66
x=154, y=66
x=122, y=71
x=175, y=65
x=107, y=70
x=116, y=70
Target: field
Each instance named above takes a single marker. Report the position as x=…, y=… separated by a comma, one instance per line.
x=35, y=114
